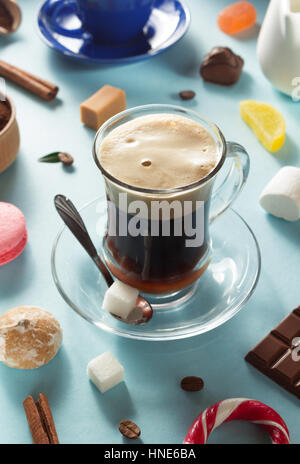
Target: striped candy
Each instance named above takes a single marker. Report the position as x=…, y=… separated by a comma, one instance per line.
x=238, y=409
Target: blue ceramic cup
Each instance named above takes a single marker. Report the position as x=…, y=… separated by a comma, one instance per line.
x=108, y=21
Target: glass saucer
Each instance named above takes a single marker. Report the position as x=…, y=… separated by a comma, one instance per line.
x=215, y=298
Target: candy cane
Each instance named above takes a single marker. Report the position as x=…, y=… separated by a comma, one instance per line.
x=238, y=409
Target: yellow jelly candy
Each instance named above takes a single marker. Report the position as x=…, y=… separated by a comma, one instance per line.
x=266, y=122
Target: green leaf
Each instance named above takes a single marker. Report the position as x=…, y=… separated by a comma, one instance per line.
x=51, y=158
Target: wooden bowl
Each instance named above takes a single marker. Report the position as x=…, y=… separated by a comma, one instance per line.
x=14, y=10
x=9, y=140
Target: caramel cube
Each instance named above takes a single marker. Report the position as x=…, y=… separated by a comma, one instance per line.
x=101, y=106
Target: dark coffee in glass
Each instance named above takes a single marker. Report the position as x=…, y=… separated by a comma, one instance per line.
x=159, y=164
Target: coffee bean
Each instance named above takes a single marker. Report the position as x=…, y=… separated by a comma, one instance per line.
x=187, y=94
x=129, y=429
x=192, y=384
x=66, y=159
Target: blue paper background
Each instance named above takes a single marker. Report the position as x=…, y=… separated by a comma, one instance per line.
x=152, y=396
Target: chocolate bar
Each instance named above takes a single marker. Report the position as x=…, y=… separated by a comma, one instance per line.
x=278, y=355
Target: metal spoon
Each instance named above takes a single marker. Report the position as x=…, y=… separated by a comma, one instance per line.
x=71, y=217
x=15, y=12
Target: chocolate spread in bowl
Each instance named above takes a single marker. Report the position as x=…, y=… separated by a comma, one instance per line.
x=5, y=114
x=6, y=20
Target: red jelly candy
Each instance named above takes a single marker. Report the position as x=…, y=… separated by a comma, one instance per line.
x=237, y=17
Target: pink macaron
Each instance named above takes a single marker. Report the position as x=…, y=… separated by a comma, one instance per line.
x=13, y=233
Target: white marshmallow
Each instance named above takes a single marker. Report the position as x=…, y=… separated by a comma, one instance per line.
x=120, y=299
x=281, y=197
x=105, y=371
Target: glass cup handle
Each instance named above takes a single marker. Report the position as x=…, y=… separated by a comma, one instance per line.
x=234, y=181
x=57, y=9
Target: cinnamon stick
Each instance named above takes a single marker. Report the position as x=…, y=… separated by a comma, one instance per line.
x=40, y=421
x=40, y=87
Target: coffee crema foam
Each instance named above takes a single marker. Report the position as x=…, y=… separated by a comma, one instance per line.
x=159, y=151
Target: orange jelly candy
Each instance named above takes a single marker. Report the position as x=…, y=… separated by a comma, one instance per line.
x=237, y=17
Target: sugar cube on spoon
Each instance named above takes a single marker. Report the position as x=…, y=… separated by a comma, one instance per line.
x=120, y=299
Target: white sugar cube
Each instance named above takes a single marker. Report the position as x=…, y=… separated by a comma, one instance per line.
x=120, y=299
x=281, y=197
x=105, y=371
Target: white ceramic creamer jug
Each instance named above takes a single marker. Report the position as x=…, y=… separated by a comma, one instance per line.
x=278, y=47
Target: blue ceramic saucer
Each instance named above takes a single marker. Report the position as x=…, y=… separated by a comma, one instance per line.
x=167, y=24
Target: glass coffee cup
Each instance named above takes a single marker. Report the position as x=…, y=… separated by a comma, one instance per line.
x=169, y=248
